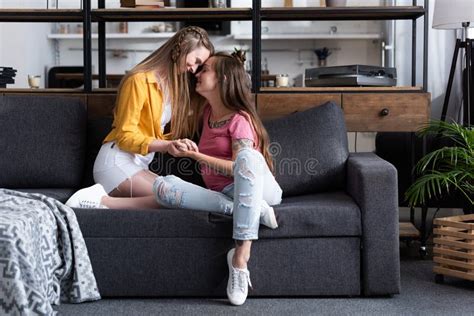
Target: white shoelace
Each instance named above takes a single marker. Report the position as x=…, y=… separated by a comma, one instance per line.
x=241, y=279
x=89, y=204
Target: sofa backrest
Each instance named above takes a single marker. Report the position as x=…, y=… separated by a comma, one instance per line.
x=42, y=141
x=309, y=150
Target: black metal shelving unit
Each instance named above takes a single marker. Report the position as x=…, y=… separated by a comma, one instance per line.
x=256, y=14
x=41, y=15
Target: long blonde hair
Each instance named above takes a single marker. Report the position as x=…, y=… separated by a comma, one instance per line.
x=167, y=62
x=234, y=86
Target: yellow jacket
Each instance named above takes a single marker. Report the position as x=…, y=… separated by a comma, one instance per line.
x=137, y=117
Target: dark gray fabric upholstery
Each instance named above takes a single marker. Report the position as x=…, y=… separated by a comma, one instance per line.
x=42, y=142
x=97, y=130
x=372, y=182
x=323, y=214
x=197, y=266
x=62, y=195
x=310, y=150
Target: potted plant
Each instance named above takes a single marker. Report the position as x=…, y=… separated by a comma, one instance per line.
x=323, y=54
x=447, y=169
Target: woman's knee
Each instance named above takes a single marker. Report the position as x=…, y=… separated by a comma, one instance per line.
x=166, y=191
x=249, y=163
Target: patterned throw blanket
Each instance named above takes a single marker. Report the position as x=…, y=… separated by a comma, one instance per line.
x=43, y=256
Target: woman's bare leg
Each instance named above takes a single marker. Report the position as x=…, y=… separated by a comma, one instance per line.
x=241, y=254
x=133, y=193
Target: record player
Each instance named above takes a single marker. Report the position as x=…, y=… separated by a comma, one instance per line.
x=350, y=76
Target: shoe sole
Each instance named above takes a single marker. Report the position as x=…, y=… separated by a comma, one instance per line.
x=273, y=221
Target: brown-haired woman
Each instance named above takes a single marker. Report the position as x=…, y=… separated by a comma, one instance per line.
x=235, y=163
x=153, y=93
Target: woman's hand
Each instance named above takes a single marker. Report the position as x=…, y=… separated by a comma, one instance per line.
x=182, y=148
x=189, y=144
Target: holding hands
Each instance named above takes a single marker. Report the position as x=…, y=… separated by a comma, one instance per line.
x=182, y=148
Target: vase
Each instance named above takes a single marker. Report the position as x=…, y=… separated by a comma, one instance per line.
x=336, y=3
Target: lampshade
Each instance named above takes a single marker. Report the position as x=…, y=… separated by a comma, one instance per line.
x=450, y=14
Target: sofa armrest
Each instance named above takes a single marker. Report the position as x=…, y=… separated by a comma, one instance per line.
x=372, y=183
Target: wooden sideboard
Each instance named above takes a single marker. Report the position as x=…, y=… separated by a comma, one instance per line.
x=365, y=109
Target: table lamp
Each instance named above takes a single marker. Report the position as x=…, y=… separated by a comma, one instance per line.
x=452, y=15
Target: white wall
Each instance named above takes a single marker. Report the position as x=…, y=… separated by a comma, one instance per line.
x=24, y=48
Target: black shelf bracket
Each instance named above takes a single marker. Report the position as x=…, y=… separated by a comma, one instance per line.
x=87, y=45
x=256, y=45
x=102, y=50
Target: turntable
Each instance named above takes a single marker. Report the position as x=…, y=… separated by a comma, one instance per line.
x=350, y=76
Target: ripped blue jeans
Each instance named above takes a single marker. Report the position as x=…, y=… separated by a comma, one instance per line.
x=254, y=187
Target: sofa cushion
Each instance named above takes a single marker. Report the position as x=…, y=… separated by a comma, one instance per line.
x=310, y=150
x=315, y=215
x=62, y=194
x=97, y=130
x=45, y=138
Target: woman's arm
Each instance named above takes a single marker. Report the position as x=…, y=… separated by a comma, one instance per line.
x=159, y=145
x=222, y=166
x=238, y=144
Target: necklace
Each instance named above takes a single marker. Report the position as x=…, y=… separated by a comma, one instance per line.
x=218, y=124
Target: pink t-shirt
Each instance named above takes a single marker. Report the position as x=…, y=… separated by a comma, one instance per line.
x=217, y=142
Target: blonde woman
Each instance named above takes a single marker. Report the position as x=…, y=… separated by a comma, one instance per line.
x=152, y=94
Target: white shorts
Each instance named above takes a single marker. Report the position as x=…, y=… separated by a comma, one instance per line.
x=113, y=165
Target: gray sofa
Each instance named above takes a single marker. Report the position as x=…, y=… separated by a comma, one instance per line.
x=338, y=233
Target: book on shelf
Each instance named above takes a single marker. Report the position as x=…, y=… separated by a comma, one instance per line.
x=144, y=4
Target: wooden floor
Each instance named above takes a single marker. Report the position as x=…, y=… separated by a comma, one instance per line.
x=408, y=230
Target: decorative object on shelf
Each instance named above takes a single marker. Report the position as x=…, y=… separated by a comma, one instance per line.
x=458, y=14
x=288, y=3
x=119, y=53
x=123, y=27
x=157, y=28
x=146, y=4
x=64, y=28
x=79, y=29
x=6, y=76
x=55, y=4
x=169, y=27
x=446, y=169
x=34, y=81
x=336, y=3
x=217, y=4
x=323, y=54
x=282, y=81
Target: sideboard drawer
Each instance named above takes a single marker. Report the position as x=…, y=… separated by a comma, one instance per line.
x=275, y=105
x=385, y=111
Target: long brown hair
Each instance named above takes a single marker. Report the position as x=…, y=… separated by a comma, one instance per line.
x=167, y=62
x=234, y=87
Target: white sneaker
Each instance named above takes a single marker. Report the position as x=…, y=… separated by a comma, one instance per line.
x=238, y=283
x=88, y=198
x=267, y=216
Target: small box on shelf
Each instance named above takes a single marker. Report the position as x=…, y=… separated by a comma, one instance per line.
x=142, y=4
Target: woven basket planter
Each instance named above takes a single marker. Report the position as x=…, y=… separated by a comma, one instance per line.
x=453, y=251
